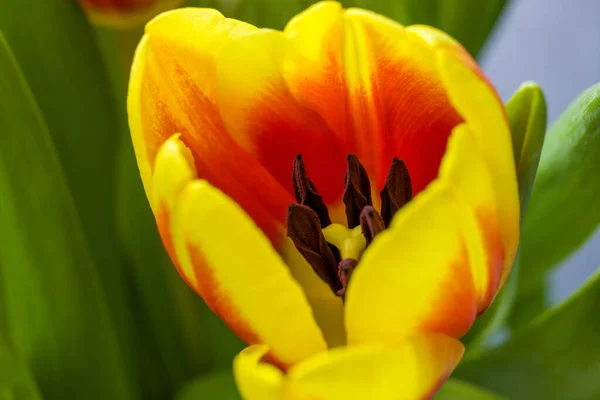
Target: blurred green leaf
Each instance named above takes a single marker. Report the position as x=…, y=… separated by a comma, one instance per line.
x=16, y=383
x=54, y=315
x=469, y=21
x=556, y=357
x=526, y=112
x=215, y=385
x=60, y=59
x=454, y=389
x=563, y=209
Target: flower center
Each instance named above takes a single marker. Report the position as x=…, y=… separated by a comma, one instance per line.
x=334, y=250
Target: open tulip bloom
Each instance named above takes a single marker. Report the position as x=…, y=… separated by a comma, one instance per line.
x=343, y=194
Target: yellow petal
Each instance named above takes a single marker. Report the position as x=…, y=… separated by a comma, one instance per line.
x=467, y=176
x=257, y=380
x=413, y=370
x=173, y=170
x=415, y=276
x=240, y=275
x=480, y=106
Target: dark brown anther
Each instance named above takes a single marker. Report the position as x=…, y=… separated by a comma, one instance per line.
x=396, y=192
x=357, y=191
x=304, y=229
x=371, y=223
x=345, y=269
x=306, y=193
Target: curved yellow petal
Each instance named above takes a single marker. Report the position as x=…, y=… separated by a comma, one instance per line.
x=413, y=370
x=175, y=56
x=173, y=170
x=468, y=178
x=240, y=275
x=480, y=106
x=415, y=276
x=257, y=380
x=173, y=89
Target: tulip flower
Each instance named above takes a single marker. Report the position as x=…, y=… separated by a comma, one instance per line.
x=342, y=194
x=125, y=13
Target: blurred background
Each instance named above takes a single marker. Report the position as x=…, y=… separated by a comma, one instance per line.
x=556, y=44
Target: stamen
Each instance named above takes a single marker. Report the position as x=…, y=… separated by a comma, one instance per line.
x=371, y=223
x=333, y=250
x=396, y=192
x=304, y=229
x=345, y=269
x=357, y=191
x=306, y=193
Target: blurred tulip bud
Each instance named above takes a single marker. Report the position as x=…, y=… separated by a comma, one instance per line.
x=125, y=13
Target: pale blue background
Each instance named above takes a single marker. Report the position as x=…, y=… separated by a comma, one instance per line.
x=557, y=44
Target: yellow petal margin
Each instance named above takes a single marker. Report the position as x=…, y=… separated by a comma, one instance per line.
x=478, y=103
x=467, y=175
x=414, y=370
x=240, y=275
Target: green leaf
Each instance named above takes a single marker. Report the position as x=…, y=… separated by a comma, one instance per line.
x=562, y=211
x=454, y=389
x=16, y=383
x=556, y=357
x=526, y=112
x=60, y=59
x=214, y=385
x=54, y=315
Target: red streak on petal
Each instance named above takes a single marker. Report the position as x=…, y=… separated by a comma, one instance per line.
x=164, y=228
x=455, y=310
x=416, y=121
x=282, y=129
x=218, y=159
x=494, y=248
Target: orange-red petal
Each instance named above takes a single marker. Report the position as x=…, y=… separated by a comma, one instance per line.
x=376, y=85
